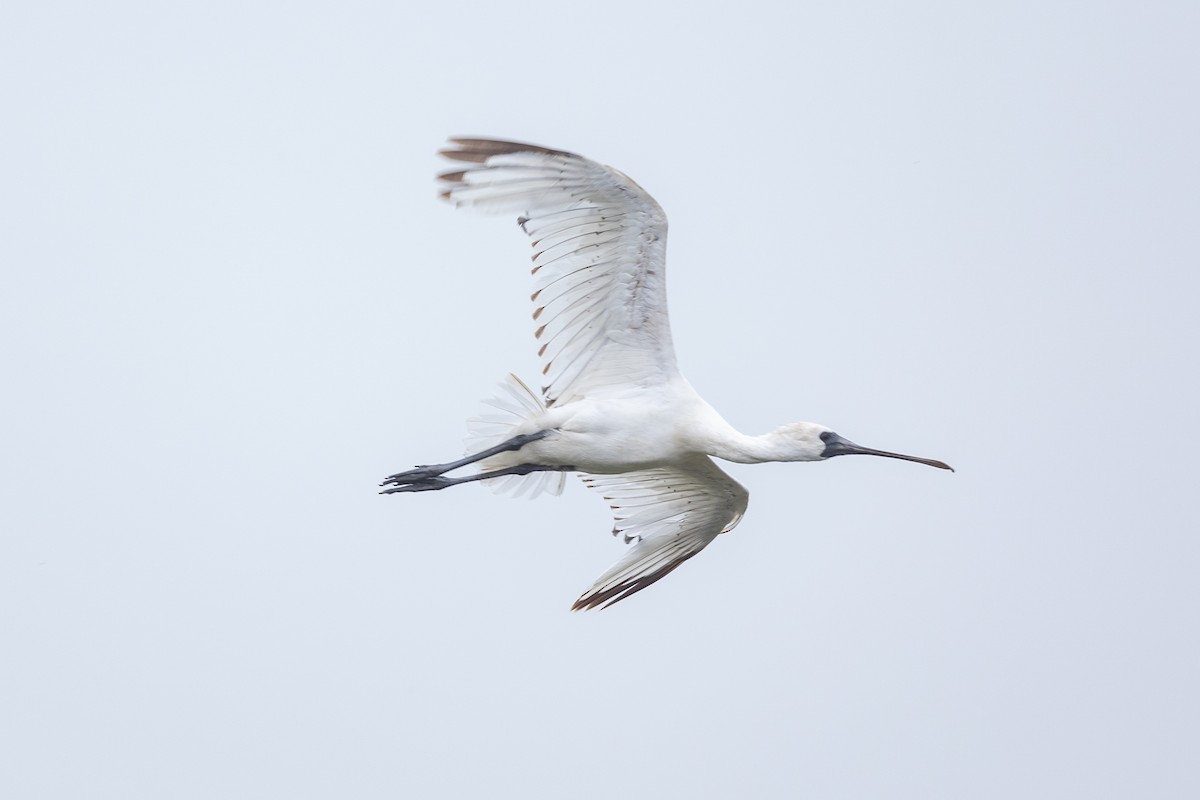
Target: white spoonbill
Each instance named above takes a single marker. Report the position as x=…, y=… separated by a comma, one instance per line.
x=613, y=405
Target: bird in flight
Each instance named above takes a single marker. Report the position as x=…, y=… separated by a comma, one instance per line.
x=613, y=406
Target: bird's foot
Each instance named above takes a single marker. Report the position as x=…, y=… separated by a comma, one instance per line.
x=415, y=475
x=423, y=478
x=426, y=483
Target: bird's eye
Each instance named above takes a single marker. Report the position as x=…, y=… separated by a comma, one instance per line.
x=826, y=435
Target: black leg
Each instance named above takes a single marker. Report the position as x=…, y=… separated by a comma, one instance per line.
x=435, y=482
x=424, y=473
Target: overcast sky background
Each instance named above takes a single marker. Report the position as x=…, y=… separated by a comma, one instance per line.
x=232, y=304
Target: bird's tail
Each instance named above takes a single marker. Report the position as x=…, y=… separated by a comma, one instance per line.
x=512, y=406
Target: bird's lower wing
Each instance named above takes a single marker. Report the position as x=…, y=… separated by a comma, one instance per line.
x=600, y=305
x=668, y=515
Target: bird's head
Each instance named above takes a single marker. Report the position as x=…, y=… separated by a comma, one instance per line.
x=807, y=441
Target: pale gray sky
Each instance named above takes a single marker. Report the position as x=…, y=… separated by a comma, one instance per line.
x=232, y=304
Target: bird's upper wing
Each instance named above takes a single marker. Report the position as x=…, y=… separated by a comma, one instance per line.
x=669, y=514
x=598, y=267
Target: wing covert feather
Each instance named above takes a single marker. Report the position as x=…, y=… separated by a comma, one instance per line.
x=599, y=279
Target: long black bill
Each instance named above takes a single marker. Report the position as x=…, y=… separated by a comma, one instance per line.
x=837, y=446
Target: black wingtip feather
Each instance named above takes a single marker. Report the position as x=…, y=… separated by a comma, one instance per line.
x=619, y=592
x=476, y=150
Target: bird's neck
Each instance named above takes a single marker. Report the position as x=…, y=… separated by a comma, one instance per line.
x=744, y=449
